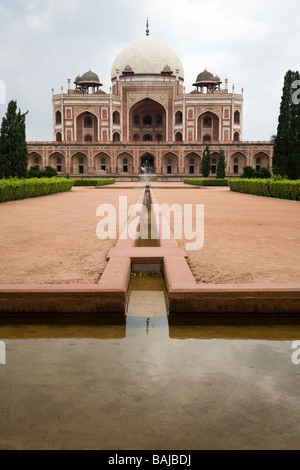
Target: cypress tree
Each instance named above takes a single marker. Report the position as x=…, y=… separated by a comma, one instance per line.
x=221, y=165
x=13, y=146
x=286, y=158
x=205, y=164
x=294, y=163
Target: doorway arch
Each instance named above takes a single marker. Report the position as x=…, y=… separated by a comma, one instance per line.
x=147, y=117
x=170, y=164
x=147, y=164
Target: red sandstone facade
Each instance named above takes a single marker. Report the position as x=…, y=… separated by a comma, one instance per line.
x=147, y=122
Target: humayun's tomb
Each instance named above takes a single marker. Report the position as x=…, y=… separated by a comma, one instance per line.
x=147, y=122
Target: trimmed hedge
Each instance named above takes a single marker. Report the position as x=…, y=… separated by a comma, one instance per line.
x=206, y=181
x=12, y=189
x=285, y=189
x=93, y=182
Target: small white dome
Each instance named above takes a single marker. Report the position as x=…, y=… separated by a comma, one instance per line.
x=147, y=56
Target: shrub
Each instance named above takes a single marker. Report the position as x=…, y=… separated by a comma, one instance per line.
x=49, y=172
x=35, y=172
x=263, y=173
x=286, y=189
x=12, y=189
x=206, y=181
x=250, y=186
x=248, y=172
x=278, y=178
x=93, y=182
x=283, y=189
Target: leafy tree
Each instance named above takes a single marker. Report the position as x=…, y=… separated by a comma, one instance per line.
x=49, y=172
x=221, y=165
x=34, y=172
x=13, y=146
x=263, y=173
x=286, y=159
x=248, y=172
x=205, y=164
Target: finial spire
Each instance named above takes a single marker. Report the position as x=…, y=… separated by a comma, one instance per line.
x=147, y=28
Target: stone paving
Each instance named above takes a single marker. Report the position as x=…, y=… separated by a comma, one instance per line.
x=52, y=239
x=248, y=239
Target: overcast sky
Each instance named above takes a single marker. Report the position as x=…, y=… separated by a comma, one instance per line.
x=45, y=42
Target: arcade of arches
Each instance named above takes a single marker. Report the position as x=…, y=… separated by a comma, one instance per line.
x=152, y=162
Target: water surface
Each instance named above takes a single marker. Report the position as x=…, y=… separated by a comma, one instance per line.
x=148, y=383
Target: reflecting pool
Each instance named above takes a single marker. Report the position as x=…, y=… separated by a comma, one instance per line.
x=139, y=382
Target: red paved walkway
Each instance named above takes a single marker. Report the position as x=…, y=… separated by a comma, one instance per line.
x=52, y=239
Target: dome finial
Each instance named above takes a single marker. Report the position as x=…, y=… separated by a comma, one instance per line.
x=147, y=28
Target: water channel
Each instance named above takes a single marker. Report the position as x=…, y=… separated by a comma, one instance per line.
x=148, y=381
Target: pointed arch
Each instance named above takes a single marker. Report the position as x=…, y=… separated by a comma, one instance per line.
x=116, y=118
x=208, y=124
x=214, y=158
x=237, y=117
x=125, y=163
x=237, y=162
x=102, y=163
x=147, y=116
x=178, y=136
x=58, y=118
x=261, y=160
x=192, y=164
x=35, y=159
x=147, y=163
x=87, y=123
x=79, y=163
x=116, y=137
x=178, y=117
x=236, y=136
x=58, y=137
x=170, y=164
x=58, y=162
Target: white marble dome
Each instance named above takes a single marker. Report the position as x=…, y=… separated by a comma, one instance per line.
x=147, y=56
